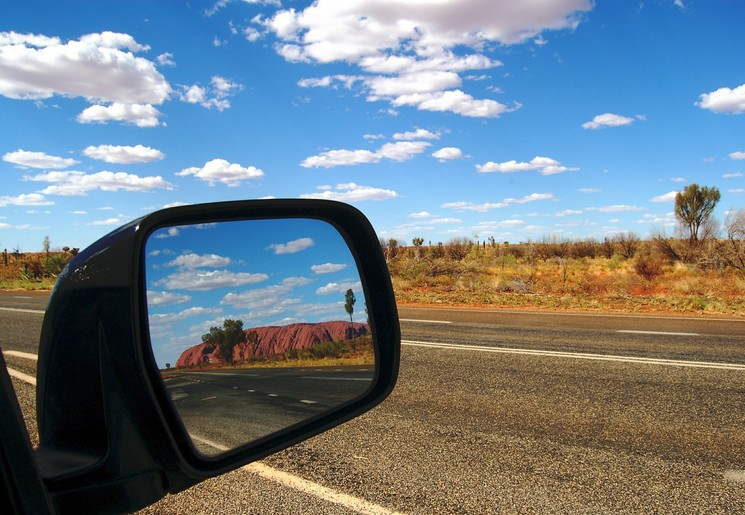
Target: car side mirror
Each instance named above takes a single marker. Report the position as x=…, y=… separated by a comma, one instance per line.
x=200, y=338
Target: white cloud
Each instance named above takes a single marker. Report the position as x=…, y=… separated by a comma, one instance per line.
x=352, y=192
x=398, y=151
x=618, y=208
x=165, y=298
x=545, y=166
x=666, y=198
x=733, y=175
x=215, y=95
x=407, y=48
x=421, y=214
x=724, y=100
x=292, y=247
x=417, y=134
x=328, y=268
x=80, y=183
x=479, y=208
x=607, y=120
x=219, y=170
x=448, y=154
x=31, y=199
x=533, y=197
x=26, y=159
x=99, y=67
x=140, y=115
x=124, y=154
x=455, y=101
x=737, y=155
x=192, y=261
x=204, y=280
x=332, y=288
x=166, y=59
x=109, y=222
x=589, y=190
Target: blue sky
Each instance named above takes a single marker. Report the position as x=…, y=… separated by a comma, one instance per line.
x=438, y=119
x=276, y=272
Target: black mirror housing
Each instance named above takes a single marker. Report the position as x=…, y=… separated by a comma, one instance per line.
x=109, y=437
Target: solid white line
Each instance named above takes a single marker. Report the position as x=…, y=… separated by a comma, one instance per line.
x=580, y=355
x=303, y=485
x=662, y=333
x=424, y=321
x=22, y=310
x=20, y=375
x=588, y=315
x=19, y=354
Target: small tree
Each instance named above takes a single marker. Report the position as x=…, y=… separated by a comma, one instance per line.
x=227, y=338
x=46, y=244
x=349, y=301
x=693, y=208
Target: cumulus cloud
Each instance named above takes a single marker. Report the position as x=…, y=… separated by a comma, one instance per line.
x=544, y=165
x=123, y=154
x=292, y=247
x=617, y=208
x=416, y=134
x=666, y=198
x=192, y=261
x=488, y=206
x=398, y=151
x=31, y=199
x=100, y=67
x=351, y=192
x=139, y=115
x=334, y=287
x=207, y=280
x=448, y=154
x=79, y=183
x=607, y=120
x=737, y=155
x=328, y=268
x=724, y=100
x=220, y=170
x=405, y=51
x=215, y=95
x=26, y=159
x=166, y=298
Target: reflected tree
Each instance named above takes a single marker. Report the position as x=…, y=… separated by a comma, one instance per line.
x=349, y=301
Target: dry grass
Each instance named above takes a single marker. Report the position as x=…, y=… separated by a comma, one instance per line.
x=597, y=284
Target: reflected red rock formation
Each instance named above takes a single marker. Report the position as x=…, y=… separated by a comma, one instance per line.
x=275, y=340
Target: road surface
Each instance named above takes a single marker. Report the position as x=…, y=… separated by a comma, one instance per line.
x=509, y=412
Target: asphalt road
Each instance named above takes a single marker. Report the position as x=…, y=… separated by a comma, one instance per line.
x=511, y=412
x=234, y=406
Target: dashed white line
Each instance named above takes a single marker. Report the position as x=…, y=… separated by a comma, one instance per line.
x=23, y=377
x=24, y=310
x=19, y=354
x=661, y=333
x=581, y=355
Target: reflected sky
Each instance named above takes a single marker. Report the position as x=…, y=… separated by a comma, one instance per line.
x=263, y=272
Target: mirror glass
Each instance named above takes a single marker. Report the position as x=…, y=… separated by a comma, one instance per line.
x=256, y=326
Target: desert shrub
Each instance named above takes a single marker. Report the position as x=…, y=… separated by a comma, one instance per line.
x=458, y=248
x=648, y=266
x=54, y=264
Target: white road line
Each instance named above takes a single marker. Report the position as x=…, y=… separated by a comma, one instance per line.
x=424, y=321
x=303, y=485
x=661, y=333
x=19, y=354
x=581, y=355
x=23, y=310
x=23, y=377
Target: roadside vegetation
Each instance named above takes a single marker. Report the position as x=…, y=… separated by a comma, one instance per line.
x=33, y=270
x=699, y=269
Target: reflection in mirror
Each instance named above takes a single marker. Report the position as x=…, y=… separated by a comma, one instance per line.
x=256, y=326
